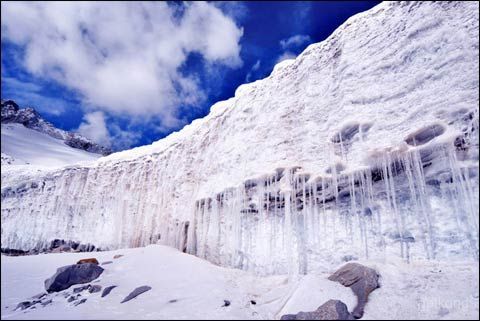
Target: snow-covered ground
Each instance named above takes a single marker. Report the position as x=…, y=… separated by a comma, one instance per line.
x=186, y=287
x=27, y=152
x=28, y=146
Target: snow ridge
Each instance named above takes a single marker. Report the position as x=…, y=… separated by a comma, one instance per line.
x=30, y=118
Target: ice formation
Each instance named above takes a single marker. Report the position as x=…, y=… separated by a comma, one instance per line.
x=365, y=145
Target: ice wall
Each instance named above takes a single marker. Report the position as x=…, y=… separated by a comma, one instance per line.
x=293, y=222
x=366, y=145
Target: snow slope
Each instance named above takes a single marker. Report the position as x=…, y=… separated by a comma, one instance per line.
x=426, y=290
x=27, y=152
x=365, y=145
x=28, y=146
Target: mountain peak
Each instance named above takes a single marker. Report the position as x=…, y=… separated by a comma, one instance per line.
x=30, y=118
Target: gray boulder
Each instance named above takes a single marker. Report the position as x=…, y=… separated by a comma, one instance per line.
x=330, y=310
x=69, y=275
x=107, y=290
x=94, y=288
x=26, y=304
x=81, y=288
x=45, y=303
x=136, y=292
x=80, y=302
x=361, y=279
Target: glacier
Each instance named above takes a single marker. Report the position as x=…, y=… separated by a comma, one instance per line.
x=364, y=146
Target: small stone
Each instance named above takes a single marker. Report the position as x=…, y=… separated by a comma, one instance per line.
x=81, y=288
x=46, y=302
x=24, y=305
x=253, y=302
x=173, y=301
x=95, y=288
x=70, y=299
x=443, y=311
x=136, y=292
x=107, y=290
x=226, y=303
x=117, y=256
x=90, y=260
x=107, y=262
x=80, y=302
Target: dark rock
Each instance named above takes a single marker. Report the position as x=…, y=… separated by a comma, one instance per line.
x=9, y=110
x=81, y=288
x=173, y=301
x=330, y=310
x=226, y=303
x=95, y=288
x=70, y=299
x=45, y=303
x=136, y=292
x=107, y=290
x=253, y=302
x=80, y=302
x=69, y=275
x=56, y=243
x=425, y=134
x=361, y=279
x=25, y=304
x=107, y=262
x=86, y=247
x=117, y=256
x=89, y=260
x=13, y=252
x=62, y=248
x=347, y=258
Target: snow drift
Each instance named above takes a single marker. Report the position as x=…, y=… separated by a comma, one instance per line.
x=364, y=146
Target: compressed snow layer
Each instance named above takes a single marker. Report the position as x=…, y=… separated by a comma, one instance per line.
x=425, y=290
x=376, y=130
x=27, y=146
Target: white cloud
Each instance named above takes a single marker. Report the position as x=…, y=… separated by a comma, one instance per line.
x=28, y=94
x=122, y=57
x=95, y=128
x=294, y=41
x=286, y=55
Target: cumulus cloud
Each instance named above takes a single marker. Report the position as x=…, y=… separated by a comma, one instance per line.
x=291, y=44
x=294, y=41
x=286, y=55
x=95, y=128
x=25, y=92
x=122, y=57
x=95, y=125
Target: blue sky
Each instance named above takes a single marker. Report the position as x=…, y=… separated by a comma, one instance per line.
x=127, y=74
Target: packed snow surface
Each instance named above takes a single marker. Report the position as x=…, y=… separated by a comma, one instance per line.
x=364, y=146
x=27, y=152
x=186, y=287
x=28, y=146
